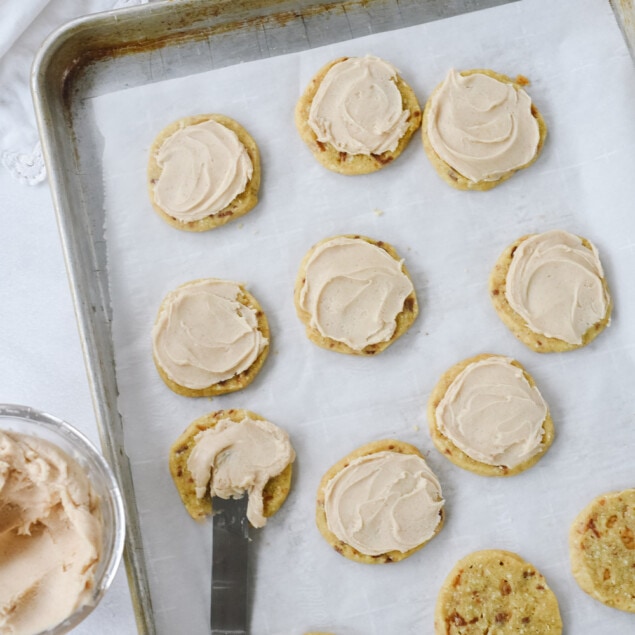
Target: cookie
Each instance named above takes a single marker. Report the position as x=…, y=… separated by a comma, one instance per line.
x=210, y=337
x=481, y=127
x=354, y=295
x=390, y=471
x=602, y=549
x=219, y=440
x=549, y=289
x=357, y=115
x=203, y=171
x=466, y=416
x=496, y=591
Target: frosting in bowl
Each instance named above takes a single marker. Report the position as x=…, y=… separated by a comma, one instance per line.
x=50, y=535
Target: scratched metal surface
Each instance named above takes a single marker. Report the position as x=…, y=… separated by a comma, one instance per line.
x=137, y=46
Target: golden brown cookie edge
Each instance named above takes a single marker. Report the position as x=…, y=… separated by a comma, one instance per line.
x=242, y=204
x=453, y=622
x=274, y=493
x=343, y=548
x=517, y=325
x=452, y=176
x=587, y=573
x=454, y=454
x=404, y=320
x=237, y=382
x=341, y=162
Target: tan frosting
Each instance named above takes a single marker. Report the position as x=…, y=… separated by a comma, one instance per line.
x=386, y=501
x=492, y=413
x=233, y=458
x=358, y=108
x=353, y=291
x=204, y=335
x=482, y=127
x=50, y=535
x=555, y=284
x=204, y=167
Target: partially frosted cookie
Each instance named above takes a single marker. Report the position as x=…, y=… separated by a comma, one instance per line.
x=486, y=415
x=203, y=171
x=380, y=503
x=496, y=591
x=481, y=127
x=357, y=115
x=354, y=295
x=602, y=549
x=549, y=289
x=227, y=454
x=210, y=337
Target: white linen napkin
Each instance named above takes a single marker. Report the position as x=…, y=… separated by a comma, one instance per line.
x=23, y=28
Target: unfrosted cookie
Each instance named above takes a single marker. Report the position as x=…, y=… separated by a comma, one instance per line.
x=602, y=549
x=210, y=337
x=357, y=115
x=549, y=289
x=354, y=295
x=411, y=511
x=229, y=453
x=486, y=415
x=481, y=127
x=203, y=171
x=496, y=592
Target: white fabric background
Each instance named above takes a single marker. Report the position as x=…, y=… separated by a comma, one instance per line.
x=41, y=363
x=24, y=25
x=583, y=81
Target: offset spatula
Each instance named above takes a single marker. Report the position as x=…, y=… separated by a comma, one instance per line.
x=229, y=567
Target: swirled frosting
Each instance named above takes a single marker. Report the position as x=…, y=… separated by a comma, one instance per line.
x=204, y=167
x=482, y=127
x=233, y=458
x=555, y=284
x=204, y=334
x=358, y=108
x=386, y=501
x=353, y=291
x=50, y=535
x=492, y=413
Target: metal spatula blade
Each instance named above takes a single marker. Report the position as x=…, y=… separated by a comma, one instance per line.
x=229, y=567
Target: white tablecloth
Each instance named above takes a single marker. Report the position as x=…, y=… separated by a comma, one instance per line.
x=41, y=362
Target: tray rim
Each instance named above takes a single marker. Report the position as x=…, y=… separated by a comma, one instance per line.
x=58, y=64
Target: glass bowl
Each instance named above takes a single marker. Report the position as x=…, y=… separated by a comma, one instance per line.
x=28, y=421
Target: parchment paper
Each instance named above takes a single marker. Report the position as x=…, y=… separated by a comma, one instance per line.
x=583, y=81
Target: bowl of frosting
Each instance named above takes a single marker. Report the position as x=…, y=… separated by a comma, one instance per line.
x=62, y=524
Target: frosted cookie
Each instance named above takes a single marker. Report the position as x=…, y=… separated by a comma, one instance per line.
x=486, y=415
x=549, y=290
x=203, y=171
x=480, y=127
x=380, y=503
x=210, y=337
x=357, y=115
x=354, y=295
x=496, y=591
x=227, y=454
x=602, y=549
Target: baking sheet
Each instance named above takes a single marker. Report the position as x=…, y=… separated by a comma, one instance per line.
x=583, y=83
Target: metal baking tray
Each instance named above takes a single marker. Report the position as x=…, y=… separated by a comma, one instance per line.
x=136, y=46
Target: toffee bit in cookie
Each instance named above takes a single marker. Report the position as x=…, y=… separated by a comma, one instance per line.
x=495, y=590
